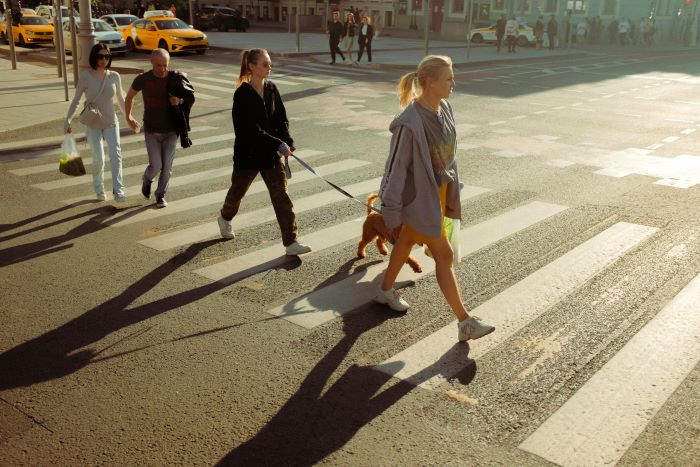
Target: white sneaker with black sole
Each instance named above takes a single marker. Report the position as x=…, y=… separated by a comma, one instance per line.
x=161, y=202
x=296, y=249
x=225, y=228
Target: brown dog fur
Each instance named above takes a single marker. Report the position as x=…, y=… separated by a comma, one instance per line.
x=374, y=228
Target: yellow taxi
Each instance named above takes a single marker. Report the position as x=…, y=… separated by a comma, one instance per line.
x=32, y=29
x=164, y=32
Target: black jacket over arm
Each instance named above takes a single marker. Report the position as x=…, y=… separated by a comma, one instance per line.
x=180, y=86
x=260, y=126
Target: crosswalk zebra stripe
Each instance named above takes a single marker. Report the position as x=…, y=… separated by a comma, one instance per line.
x=237, y=268
x=260, y=216
x=226, y=90
x=317, y=69
x=228, y=81
x=341, y=297
x=602, y=419
x=138, y=169
x=438, y=357
x=35, y=169
x=217, y=197
x=66, y=182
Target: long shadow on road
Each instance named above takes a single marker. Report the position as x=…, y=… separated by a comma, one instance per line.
x=313, y=424
x=61, y=351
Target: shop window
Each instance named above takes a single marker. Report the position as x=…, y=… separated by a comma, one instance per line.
x=499, y=5
x=457, y=6
x=577, y=6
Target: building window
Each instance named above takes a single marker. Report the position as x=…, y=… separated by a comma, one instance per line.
x=523, y=6
x=577, y=6
x=418, y=5
x=609, y=8
x=550, y=6
x=403, y=7
x=499, y=5
x=457, y=6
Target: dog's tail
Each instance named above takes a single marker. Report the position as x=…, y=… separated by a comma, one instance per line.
x=370, y=201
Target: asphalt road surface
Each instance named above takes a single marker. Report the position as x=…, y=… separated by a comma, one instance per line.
x=136, y=336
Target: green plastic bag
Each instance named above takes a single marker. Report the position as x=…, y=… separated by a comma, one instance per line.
x=70, y=162
x=452, y=230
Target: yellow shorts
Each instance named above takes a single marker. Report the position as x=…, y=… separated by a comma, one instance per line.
x=424, y=239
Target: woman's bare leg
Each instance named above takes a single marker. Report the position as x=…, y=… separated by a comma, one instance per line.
x=442, y=254
x=399, y=253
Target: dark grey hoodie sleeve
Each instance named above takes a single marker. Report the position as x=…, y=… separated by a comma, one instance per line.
x=394, y=180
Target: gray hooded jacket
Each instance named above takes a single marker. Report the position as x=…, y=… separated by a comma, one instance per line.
x=409, y=191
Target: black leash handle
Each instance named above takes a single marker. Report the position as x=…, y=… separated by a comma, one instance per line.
x=310, y=169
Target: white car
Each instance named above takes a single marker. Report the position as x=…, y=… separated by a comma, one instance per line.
x=526, y=35
x=104, y=33
x=154, y=13
x=119, y=21
x=48, y=12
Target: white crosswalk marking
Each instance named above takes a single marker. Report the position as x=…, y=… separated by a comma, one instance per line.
x=341, y=297
x=321, y=69
x=438, y=357
x=217, y=197
x=600, y=422
x=229, y=82
x=260, y=216
x=226, y=90
x=52, y=167
x=239, y=267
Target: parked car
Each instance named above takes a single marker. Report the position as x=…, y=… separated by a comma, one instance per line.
x=526, y=35
x=221, y=18
x=32, y=29
x=119, y=21
x=48, y=12
x=104, y=34
x=165, y=32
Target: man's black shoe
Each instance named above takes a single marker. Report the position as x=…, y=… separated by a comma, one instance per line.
x=332, y=63
x=146, y=189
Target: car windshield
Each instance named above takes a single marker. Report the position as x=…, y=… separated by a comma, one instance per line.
x=171, y=24
x=33, y=20
x=125, y=20
x=101, y=26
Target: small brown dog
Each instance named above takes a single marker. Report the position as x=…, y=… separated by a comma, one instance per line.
x=374, y=227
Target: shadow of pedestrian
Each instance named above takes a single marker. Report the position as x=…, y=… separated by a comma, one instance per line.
x=38, y=217
x=313, y=424
x=27, y=251
x=62, y=351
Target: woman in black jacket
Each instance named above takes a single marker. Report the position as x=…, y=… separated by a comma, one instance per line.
x=262, y=140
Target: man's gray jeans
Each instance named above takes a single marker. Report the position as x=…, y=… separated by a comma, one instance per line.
x=161, y=153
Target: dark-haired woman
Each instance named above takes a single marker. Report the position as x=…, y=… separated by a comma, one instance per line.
x=100, y=86
x=262, y=145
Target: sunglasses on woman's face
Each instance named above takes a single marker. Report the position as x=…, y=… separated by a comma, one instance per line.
x=104, y=56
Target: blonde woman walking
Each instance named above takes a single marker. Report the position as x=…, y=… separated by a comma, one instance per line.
x=349, y=41
x=420, y=186
x=261, y=146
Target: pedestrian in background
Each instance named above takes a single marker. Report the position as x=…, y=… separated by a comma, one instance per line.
x=552, y=31
x=364, y=38
x=539, y=32
x=262, y=145
x=623, y=29
x=415, y=201
x=349, y=33
x=101, y=86
x=512, y=33
x=159, y=123
x=500, y=32
x=335, y=33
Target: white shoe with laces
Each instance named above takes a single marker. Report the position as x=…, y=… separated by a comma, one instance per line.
x=472, y=328
x=225, y=228
x=391, y=298
x=296, y=249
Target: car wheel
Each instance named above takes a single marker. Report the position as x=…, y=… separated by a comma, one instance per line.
x=21, y=41
x=522, y=41
x=130, y=46
x=201, y=52
x=163, y=45
x=477, y=38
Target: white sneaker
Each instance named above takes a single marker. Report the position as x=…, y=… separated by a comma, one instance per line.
x=472, y=328
x=225, y=228
x=119, y=198
x=297, y=248
x=392, y=298
x=101, y=196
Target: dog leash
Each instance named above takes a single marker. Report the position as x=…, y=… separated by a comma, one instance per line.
x=310, y=169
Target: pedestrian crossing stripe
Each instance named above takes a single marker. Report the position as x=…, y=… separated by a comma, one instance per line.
x=239, y=267
x=323, y=305
x=217, y=197
x=209, y=230
x=138, y=169
x=599, y=423
x=35, y=169
x=435, y=359
x=320, y=69
x=228, y=81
